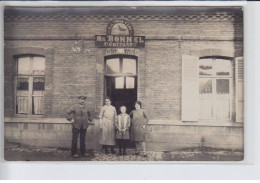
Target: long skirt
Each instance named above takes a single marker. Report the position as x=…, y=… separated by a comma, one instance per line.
x=137, y=133
x=107, y=136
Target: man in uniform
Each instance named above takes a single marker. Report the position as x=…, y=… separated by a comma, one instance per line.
x=79, y=116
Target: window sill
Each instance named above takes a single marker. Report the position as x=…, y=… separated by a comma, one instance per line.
x=28, y=116
x=38, y=120
x=151, y=122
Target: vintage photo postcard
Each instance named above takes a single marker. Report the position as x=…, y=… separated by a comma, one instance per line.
x=123, y=84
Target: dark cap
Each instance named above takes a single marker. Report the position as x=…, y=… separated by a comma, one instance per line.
x=82, y=97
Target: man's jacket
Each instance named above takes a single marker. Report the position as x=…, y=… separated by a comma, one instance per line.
x=80, y=114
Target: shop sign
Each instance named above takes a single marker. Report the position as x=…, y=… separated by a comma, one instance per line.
x=120, y=41
x=120, y=34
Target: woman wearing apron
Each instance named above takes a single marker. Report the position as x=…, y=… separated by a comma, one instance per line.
x=139, y=121
x=107, y=117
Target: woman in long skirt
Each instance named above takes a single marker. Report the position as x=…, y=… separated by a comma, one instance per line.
x=107, y=117
x=139, y=122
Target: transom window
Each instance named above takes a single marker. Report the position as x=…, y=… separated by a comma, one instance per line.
x=124, y=71
x=30, y=83
x=214, y=67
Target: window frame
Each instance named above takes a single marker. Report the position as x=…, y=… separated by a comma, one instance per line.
x=214, y=77
x=31, y=76
x=121, y=57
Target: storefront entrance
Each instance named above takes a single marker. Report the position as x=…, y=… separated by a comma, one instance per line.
x=121, y=80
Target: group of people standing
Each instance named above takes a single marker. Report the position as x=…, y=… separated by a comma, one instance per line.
x=121, y=128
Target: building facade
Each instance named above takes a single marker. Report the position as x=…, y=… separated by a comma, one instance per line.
x=184, y=64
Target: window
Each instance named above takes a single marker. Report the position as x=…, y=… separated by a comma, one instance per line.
x=113, y=66
x=212, y=89
x=130, y=83
x=119, y=83
x=30, y=83
x=129, y=66
x=215, y=83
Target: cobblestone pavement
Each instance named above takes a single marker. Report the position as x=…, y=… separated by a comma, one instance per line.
x=16, y=152
x=151, y=156
x=26, y=153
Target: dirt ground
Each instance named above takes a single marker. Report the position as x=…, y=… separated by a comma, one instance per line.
x=18, y=152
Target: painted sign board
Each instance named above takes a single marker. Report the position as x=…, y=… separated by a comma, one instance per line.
x=120, y=34
x=112, y=41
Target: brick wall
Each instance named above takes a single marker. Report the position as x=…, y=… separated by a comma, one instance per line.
x=69, y=75
x=214, y=24
x=158, y=137
x=170, y=137
x=163, y=80
x=48, y=135
x=72, y=74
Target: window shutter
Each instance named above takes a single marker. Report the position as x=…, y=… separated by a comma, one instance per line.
x=190, y=88
x=239, y=62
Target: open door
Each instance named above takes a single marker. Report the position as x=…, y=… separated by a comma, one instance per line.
x=120, y=94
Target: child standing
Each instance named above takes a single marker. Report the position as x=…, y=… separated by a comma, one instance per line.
x=122, y=133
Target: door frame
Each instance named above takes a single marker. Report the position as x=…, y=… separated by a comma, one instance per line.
x=120, y=56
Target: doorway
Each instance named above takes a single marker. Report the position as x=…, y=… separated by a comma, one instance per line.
x=121, y=81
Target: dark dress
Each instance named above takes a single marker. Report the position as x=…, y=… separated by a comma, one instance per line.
x=139, y=119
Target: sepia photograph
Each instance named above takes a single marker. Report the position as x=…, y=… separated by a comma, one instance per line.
x=121, y=83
